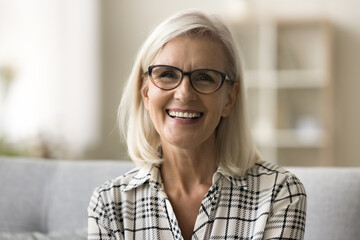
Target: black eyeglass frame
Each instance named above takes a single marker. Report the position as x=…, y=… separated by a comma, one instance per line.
x=224, y=77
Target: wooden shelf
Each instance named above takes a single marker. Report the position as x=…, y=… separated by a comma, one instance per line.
x=286, y=79
x=289, y=80
x=305, y=138
x=300, y=79
x=290, y=138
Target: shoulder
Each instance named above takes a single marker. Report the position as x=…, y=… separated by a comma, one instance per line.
x=111, y=192
x=264, y=167
x=281, y=198
x=122, y=192
x=107, y=201
x=273, y=177
x=120, y=183
x=269, y=170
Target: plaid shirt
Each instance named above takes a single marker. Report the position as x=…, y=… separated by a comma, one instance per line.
x=268, y=203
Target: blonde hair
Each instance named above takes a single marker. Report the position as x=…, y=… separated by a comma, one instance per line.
x=235, y=149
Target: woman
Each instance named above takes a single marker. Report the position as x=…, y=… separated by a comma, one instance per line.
x=198, y=174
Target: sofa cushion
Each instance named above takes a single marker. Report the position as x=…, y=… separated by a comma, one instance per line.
x=72, y=186
x=22, y=201
x=76, y=235
x=333, y=202
x=50, y=196
x=17, y=236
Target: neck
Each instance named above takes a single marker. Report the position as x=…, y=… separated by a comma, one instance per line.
x=186, y=169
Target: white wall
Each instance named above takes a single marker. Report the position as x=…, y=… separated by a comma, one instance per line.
x=127, y=23
x=53, y=45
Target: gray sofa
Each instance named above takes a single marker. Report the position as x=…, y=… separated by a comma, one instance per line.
x=42, y=199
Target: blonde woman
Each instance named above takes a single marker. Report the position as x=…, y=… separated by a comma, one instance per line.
x=198, y=176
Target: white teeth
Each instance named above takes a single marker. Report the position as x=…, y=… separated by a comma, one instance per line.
x=184, y=114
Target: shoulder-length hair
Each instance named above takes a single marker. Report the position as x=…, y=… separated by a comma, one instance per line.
x=235, y=149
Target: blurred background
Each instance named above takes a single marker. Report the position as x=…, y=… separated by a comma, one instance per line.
x=63, y=64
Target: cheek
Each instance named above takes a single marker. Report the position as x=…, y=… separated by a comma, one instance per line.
x=218, y=104
x=156, y=102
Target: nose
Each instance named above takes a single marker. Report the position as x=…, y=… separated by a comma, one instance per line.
x=185, y=92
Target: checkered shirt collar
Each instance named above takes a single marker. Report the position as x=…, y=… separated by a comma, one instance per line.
x=152, y=175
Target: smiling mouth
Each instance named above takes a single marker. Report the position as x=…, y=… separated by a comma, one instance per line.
x=184, y=115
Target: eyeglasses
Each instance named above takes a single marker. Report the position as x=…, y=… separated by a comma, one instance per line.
x=202, y=80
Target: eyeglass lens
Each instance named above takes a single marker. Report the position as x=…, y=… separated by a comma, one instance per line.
x=202, y=80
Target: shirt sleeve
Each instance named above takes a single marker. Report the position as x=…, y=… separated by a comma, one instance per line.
x=98, y=221
x=288, y=211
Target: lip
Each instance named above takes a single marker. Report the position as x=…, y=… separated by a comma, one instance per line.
x=183, y=110
x=184, y=121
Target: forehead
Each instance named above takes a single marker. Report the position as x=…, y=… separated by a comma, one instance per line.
x=190, y=52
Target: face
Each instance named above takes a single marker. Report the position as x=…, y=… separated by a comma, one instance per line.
x=183, y=117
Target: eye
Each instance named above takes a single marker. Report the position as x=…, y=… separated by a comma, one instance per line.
x=166, y=74
x=205, y=78
x=169, y=74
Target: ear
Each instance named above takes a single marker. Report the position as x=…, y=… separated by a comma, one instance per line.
x=145, y=96
x=231, y=99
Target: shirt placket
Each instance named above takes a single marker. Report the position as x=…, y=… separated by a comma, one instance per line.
x=174, y=225
x=157, y=184
x=205, y=218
